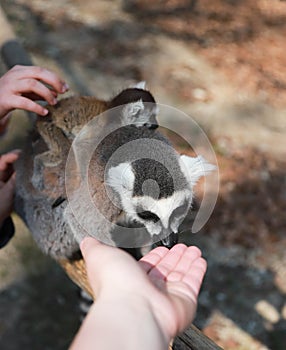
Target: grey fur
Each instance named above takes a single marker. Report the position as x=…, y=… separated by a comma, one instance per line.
x=58, y=225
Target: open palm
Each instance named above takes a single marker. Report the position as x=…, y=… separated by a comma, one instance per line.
x=168, y=281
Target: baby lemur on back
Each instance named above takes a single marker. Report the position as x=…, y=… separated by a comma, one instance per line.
x=149, y=186
x=70, y=115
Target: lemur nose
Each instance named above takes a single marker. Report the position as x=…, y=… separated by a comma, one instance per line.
x=151, y=126
x=170, y=240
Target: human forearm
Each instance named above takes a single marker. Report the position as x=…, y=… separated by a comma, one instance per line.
x=120, y=323
x=139, y=305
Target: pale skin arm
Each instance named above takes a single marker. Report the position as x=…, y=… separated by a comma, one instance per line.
x=139, y=305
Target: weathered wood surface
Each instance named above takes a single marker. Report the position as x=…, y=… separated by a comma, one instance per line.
x=13, y=53
x=76, y=271
x=194, y=339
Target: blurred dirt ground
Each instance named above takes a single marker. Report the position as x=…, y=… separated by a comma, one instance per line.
x=222, y=62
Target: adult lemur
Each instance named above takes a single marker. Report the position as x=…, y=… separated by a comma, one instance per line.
x=147, y=187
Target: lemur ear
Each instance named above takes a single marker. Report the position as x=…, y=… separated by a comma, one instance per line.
x=195, y=167
x=121, y=178
x=133, y=113
x=139, y=85
x=130, y=110
x=137, y=114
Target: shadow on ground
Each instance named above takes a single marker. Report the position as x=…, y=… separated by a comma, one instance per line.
x=41, y=312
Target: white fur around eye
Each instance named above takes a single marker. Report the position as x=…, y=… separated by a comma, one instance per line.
x=121, y=177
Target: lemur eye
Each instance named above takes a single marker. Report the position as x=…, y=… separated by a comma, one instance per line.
x=148, y=215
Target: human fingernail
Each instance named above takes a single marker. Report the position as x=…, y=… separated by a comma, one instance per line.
x=16, y=151
x=65, y=87
x=45, y=111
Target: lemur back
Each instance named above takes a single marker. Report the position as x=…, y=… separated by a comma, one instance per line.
x=40, y=195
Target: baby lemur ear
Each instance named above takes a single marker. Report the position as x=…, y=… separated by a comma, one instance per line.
x=138, y=107
x=140, y=114
x=194, y=168
x=131, y=111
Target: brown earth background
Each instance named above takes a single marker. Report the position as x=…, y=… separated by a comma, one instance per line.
x=222, y=62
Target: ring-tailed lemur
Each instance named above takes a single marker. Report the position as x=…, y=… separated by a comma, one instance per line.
x=148, y=184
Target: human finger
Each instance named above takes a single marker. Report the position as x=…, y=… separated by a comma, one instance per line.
x=36, y=88
x=8, y=189
x=6, y=165
x=195, y=275
x=110, y=267
x=26, y=104
x=168, y=262
x=9, y=157
x=12, y=181
x=7, y=194
x=152, y=258
x=184, y=264
x=87, y=246
x=6, y=174
x=98, y=255
x=45, y=75
x=35, y=97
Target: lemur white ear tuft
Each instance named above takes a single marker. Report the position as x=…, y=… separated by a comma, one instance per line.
x=195, y=167
x=121, y=178
x=131, y=112
x=139, y=85
x=134, y=108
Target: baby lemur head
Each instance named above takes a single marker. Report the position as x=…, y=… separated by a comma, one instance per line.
x=138, y=107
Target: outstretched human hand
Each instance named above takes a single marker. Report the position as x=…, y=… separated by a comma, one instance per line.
x=22, y=85
x=178, y=274
x=155, y=297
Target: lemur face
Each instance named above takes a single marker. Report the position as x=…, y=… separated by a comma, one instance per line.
x=161, y=217
x=155, y=184
x=149, y=195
